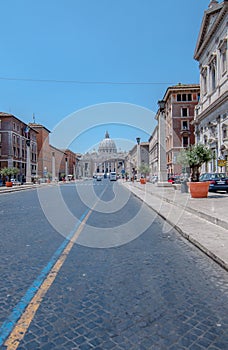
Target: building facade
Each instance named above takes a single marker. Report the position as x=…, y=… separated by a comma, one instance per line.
x=180, y=102
x=43, y=150
x=18, y=146
x=70, y=162
x=137, y=156
x=58, y=167
x=211, y=115
x=27, y=148
x=105, y=160
x=153, y=152
x=53, y=163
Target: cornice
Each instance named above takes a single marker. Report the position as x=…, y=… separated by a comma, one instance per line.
x=212, y=107
x=203, y=38
x=181, y=88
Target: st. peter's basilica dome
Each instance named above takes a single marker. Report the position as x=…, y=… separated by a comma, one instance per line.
x=107, y=145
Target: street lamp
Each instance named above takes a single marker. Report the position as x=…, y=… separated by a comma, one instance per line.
x=53, y=166
x=138, y=140
x=161, y=105
x=28, y=163
x=138, y=157
x=66, y=167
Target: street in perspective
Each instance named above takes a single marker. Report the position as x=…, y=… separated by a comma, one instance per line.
x=142, y=290
x=114, y=175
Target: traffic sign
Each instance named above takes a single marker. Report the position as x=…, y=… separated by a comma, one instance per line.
x=221, y=162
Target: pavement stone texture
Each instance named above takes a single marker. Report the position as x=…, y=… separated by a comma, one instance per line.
x=157, y=292
x=133, y=297
x=203, y=221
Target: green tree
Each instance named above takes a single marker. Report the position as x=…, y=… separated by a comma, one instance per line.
x=144, y=169
x=194, y=157
x=9, y=172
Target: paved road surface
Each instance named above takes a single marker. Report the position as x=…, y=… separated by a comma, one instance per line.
x=156, y=291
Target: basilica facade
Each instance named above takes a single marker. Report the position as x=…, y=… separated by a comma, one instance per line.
x=102, y=161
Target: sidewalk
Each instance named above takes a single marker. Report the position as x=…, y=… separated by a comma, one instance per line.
x=4, y=189
x=203, y=221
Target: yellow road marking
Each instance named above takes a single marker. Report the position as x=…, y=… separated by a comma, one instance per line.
x=23, y=323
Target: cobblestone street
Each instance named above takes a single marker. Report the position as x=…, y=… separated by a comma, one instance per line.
x=156, y=292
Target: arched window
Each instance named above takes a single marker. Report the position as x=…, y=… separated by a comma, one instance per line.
x=213, y=72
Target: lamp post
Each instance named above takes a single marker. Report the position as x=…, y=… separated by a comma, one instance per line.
x=138, y=157
x=162, y=165
x=53, y=166
x=66, y=167
x=28, y=163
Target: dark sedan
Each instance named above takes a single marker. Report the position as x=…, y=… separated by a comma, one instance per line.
x=218, y=181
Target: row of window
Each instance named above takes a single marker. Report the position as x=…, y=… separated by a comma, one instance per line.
x=214, y=131
x=16, y=141
x=215, y=69
x=215, y=135
x=185, y=112
x=23, y=154
x=22, y=166
x=185, y=141
x=187, y=97
x=24, y=131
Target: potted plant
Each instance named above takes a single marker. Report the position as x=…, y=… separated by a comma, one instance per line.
x=7, y=173
x=49, y=177
x=195, y=156
x=144, y=169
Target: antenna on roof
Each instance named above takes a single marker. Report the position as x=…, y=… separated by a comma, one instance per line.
x=33, y=117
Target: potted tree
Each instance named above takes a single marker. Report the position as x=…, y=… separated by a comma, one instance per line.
x=195, y=156
x=7, y=173
x=144, y=169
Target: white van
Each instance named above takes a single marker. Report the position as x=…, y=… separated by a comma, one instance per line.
x=112, y=176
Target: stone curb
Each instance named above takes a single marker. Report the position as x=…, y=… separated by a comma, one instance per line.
x=210, y=218
x=199, y=245
x=29, y=187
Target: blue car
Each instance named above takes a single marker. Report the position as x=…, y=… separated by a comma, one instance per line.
x=218, y=181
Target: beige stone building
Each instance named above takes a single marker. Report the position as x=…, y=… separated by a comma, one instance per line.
x=211, y=117
x=102, y=161
x=153, y=152
x=137, y=156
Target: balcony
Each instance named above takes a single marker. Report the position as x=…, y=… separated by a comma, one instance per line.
x=185, y=129
x=212, y=139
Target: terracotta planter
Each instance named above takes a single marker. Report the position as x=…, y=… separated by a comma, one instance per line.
x=9, y=184
x=198, y=189
x=143, y=181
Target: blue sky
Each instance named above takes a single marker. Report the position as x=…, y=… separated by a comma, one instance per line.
x=68, y=48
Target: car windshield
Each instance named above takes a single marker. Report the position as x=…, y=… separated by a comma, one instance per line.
x=218, y=175
x=212, y=176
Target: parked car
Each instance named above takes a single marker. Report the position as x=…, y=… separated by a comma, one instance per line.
x=218, y=181
x=175, y=179
x=154, y=179
x=99, y=177
x=15, y=182
x=112, y=176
